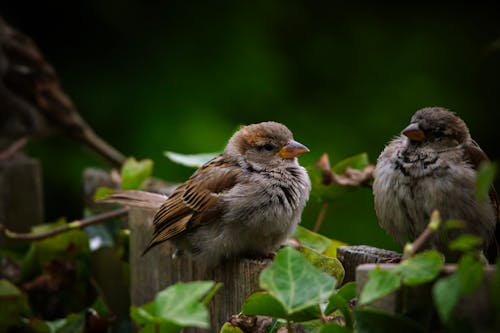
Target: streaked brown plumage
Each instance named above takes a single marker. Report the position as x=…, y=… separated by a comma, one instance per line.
x=32, y=103
x=433, y=165
x=245, y=202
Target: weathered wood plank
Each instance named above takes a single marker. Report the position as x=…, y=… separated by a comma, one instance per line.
x=353, y=256
x=157, y=270
x=21, y=195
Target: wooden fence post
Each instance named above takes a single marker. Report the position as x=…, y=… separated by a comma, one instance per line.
x=21, y=195
x=157, y=270
x=353, y=256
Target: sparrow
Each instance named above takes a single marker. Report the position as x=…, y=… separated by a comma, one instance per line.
x=33, y=104
x=433, y=165
x=243, y=203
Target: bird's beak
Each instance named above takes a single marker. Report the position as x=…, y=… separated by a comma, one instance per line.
x=414, y=133
x=292, y=149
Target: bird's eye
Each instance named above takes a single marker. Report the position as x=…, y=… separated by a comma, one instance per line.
x=268, y=147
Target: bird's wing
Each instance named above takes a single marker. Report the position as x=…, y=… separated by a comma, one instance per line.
x=195, y=202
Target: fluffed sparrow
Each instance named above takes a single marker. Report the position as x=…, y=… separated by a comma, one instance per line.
x=433, y=165
x=32, y=103
x=243, y=203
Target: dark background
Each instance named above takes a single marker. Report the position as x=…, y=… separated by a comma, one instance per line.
x=151, y=76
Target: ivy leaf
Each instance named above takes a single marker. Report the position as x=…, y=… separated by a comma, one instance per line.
x=329, y=265
x=102, y=193
x=380, y=283
x=295, y=282
x=372, y=321
x=334, y=328
x=340, y=301
x=331, y=251
x=484, y=179
x=228, y=328
x=465, y=242
x=13, y=303
x=311, y=239
x=134, y=173
x=471, y=273
x=421, y=268
x=348, y=291
x=180, y=303
x=190, y=160
x=446, y=293
x=263, y=304
x=175, y=307
x=337, y=302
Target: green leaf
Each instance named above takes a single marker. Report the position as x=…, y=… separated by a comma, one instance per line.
x=175, y=307
x=263, y=304
x=12, y=304
x=471, y=273
x=337, y=302
x=380, y=283
x=494, y=291
x=71, y=245
x=307, y=314
x=484, y=179
x=446, y=294
x=329, y=265
x=454, y=224
x=465, y=242
x=334, y=328
x=421, y=268
x=134, y=173
x=102, y=193
x=340, y=301
x=228, y=328
x=331, y=251
x=311, y=239
x=192, y=161
x=359, y=162
x=72, y=323
x=295, y=282
x=179, y=304
x=348, y=291
x=372, y=321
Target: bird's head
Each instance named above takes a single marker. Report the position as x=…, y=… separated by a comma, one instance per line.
x=436, y=127
x=265, y=145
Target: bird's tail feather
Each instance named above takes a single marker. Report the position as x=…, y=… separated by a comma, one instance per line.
x=135, y=198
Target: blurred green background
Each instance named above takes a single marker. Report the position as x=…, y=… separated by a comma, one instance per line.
x=151, y=76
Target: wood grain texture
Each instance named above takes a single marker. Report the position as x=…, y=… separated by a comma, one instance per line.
x=156, y=270
x=353, y=256
x=21, y=195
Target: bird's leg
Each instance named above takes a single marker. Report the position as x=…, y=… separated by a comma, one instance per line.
x=15, y=147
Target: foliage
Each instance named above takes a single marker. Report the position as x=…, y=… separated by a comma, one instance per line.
x=424, y=270
x=176, y=307
x=484, y=180
x=134, y=173
x=298, y=292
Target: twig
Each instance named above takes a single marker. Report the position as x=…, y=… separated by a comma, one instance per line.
x=67, y=227
x=321, y=216
x=434, y=224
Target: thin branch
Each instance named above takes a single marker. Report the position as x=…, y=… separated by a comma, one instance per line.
x=321, y=216
x=434, y=224
x=78, y=224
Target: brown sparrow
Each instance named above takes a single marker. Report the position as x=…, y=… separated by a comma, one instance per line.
x=433, y=165
x=32, y=104
x=243, y=203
